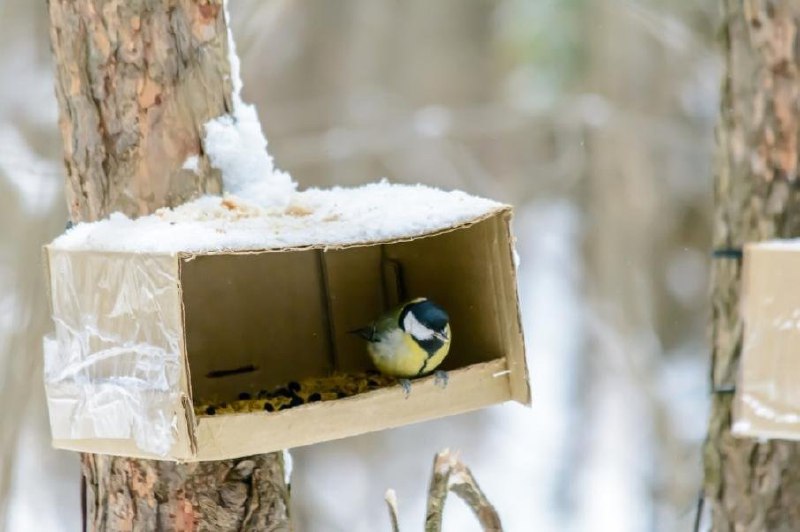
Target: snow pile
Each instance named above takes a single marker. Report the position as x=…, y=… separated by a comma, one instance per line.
x=315, y=217
x=236, y=145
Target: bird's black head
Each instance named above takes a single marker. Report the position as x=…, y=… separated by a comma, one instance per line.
x=425, y=321
x=428, y=314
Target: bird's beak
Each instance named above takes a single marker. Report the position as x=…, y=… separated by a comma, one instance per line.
x=441, y=336
x=367, y=333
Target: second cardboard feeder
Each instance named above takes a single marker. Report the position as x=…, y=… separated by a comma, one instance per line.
x=146, y=333
x=767, y=401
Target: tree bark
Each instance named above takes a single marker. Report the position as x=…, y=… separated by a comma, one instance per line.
x=751, y=485
x=135, y=82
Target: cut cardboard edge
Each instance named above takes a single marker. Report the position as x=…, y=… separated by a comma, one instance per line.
x=186, y=371
x=739, y=406
x=517, y=363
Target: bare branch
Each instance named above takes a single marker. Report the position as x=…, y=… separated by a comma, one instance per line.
x=463, y=484
x=437, y=491
x=391, y=501
x=450, y=474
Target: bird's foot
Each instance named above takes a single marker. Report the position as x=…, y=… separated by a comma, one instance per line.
x=406, y=384
x=440, y=378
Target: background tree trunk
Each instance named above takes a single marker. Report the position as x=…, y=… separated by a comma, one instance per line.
x=135, y=82
x=750, y=485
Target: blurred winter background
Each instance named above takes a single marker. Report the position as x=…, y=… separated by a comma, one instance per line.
x=593, y=117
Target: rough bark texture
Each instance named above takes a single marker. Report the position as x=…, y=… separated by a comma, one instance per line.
x=437, y=491
x=144, y=495
x=136, y=80
x=750, y=485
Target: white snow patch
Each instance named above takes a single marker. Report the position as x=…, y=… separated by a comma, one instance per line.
x=741, y=427
x=36, y=180
x=787, y=244
x=236, y=145
x=314, y=217
x=288, y=466
x=191, y=163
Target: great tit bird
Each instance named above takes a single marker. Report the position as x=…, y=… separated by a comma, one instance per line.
x=409, y=341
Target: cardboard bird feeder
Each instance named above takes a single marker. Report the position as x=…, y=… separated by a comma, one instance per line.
x=767, y=402
x=220, y=304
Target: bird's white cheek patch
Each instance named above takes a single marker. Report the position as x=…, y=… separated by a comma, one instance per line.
x=415, y=328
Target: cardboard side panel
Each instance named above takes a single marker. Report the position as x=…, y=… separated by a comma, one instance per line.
x=113, y=369
x=767, y=402
x=477, y=386
x=506, y=271
x=459, y=270
x=355, y=296
x=254, y=321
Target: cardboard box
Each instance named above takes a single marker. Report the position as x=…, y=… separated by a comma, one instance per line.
x=141, y=337
x=767, y=402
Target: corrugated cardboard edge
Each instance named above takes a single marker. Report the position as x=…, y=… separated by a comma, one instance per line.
x=48, y=279
x=517, y=363
x=739, y=425
x=186, y=372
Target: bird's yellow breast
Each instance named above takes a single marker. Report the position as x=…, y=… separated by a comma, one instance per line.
x=399, y=355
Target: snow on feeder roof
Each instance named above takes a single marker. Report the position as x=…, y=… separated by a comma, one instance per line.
x=334, y=217
x=170, y=327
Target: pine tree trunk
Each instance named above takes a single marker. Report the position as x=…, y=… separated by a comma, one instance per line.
x=752, y=486
x=135, y=81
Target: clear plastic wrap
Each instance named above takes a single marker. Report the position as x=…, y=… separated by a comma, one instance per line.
x=114, y=366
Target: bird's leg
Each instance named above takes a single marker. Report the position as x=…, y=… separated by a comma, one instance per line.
x=440, y=378
x=406, y=384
